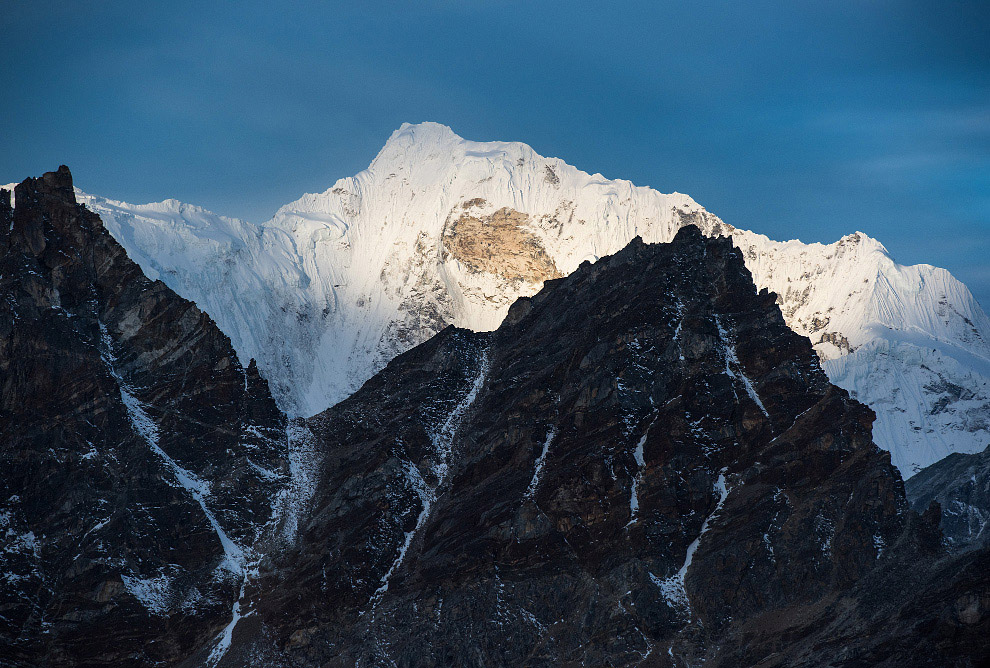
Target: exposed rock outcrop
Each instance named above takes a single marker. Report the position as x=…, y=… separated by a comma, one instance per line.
x=498, y=243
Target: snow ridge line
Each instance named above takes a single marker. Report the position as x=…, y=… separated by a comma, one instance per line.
x=291, y=501
x=639, y=456
x=633, y=490
x=539, y=462
x=223, y=640
x=234, y=557
x=147, y=429
x=731, y=360
x=443, y=442
x=426, y=497
x=673, y=588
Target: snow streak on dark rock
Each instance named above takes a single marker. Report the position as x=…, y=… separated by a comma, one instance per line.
x=138, y=459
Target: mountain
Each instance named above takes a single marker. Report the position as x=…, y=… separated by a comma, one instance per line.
x=141, y=465
x=642, y=466
x=440, y=230
x=960, y=484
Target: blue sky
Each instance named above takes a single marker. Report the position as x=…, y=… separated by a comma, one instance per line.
x=795, y=119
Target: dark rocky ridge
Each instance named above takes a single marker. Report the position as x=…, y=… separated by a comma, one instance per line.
x=122, y=407
x=960, y=484
x=674, y=420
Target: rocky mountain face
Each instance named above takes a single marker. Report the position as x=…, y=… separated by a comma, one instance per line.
x=141, y=465
x=960, y=484
x=440, y=230
x=643, y=465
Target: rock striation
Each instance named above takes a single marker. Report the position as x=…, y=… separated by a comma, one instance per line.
x=139, y=461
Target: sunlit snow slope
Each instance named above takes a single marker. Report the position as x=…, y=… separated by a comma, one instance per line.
x=441, y=230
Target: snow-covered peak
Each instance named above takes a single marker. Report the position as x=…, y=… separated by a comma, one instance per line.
x=854, y=288
x=419, y=140
x=414, y=148
x=441, y=230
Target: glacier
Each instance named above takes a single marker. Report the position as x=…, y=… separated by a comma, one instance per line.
x=440, y=230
